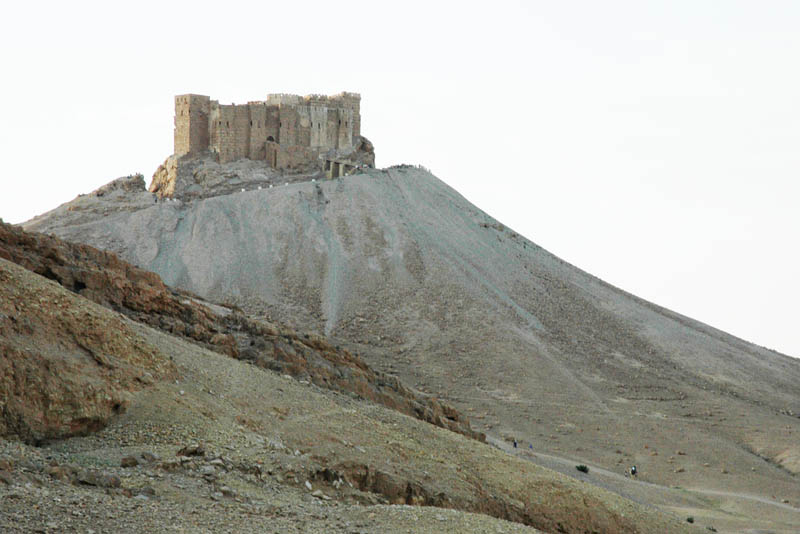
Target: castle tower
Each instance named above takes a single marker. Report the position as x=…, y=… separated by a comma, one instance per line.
x=191, y=124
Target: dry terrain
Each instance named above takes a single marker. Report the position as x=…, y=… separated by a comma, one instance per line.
x=103, y=278
x=395, y=266
x=214, y=444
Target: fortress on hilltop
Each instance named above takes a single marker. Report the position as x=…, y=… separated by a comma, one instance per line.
x=290, y=132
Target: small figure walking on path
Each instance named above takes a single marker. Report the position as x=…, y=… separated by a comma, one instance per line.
x=633, y=472
x=515, y=443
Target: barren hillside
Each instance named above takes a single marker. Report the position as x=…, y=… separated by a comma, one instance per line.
x=186, y=439
x=401, y=269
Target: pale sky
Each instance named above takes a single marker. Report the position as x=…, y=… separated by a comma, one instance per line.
x=652, y=144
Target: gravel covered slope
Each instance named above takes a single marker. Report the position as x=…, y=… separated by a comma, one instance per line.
x=402, y=269
x=402, y=245
x=219, y=445
x=105, y=279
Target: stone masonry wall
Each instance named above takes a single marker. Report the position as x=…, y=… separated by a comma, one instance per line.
x=301, y=127
x=191, y=123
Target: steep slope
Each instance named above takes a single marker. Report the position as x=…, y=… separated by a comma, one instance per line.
x=105, y=279
x=404, y=270
x=223, y=446
x=66, y=367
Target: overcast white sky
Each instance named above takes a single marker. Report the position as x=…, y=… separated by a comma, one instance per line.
x=653, y=144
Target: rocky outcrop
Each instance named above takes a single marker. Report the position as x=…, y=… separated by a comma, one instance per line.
x=141, y=295
x=202, y=176
x=105, y=279
x=68, y=366
x=365, y=152
x=128, y=184
x=165, y=178
x=360, y=155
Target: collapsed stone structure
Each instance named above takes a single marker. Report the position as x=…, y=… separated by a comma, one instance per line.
x=289, y=132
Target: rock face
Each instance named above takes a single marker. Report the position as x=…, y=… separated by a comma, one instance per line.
x=165, y=178
x=191, y=177
x=67, y=365
x=105, y=279
x=127, y=184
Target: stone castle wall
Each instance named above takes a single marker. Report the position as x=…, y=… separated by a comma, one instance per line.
x=288, y=131
x=191, y=123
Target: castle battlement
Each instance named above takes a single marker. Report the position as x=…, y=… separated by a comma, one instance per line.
x=288, y=131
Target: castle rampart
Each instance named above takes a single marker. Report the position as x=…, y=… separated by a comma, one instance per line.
x=288, y=131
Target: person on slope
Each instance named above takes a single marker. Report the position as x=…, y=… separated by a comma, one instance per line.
x=634, y=472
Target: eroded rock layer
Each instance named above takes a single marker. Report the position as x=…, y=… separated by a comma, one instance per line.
x=67, y=366
x=105, y=279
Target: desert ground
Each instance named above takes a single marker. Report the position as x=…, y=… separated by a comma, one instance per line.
x=398, y=270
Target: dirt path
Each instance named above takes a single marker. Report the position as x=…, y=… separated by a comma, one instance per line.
x=744, y=496
x=626, y=486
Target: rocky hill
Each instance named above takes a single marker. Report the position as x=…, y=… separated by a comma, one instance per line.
x=103, y=278
x=396, y=266
x=110, y=425
x=66, y=368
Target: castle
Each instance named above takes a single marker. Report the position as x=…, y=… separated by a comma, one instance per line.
x=289, y=132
